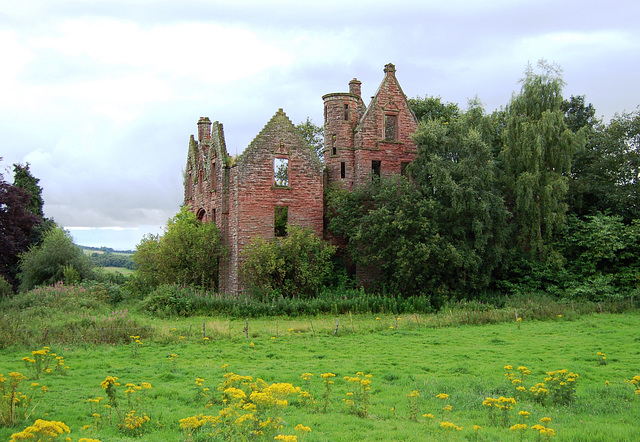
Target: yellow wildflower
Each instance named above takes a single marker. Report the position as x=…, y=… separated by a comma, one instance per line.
x=303, y=429
x=286, y=438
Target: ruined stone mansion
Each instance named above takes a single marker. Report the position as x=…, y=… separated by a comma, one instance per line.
x=279, y=179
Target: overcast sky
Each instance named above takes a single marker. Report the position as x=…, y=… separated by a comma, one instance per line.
x=100, y=97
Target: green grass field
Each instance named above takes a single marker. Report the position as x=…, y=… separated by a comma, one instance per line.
x=464, y=362
x=122, y=270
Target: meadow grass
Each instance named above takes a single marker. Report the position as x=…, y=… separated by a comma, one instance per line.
x=122, y=270
x=402, y=356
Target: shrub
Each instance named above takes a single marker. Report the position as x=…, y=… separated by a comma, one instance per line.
x=187, y=253
x=53, y=260
x=296, y=265
x=5, y=287
x=168, y=300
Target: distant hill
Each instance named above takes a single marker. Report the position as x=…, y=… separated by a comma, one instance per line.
x=105, y=250
x=108, y=257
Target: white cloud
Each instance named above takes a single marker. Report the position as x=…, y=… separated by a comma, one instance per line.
x=14, y=56
x=101, y=96
x=203, y=51
x=576, y=46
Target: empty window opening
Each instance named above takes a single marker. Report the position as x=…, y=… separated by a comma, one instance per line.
x=280, y=220
x=403, y=168
x=346, y=112
x=375, y=168
x=200, y=215
x=214, y=216
x=390, y=127
x=281, y=172
x=343, y=170
x=334, y=149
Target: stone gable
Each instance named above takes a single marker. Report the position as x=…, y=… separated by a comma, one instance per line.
x=279, y=175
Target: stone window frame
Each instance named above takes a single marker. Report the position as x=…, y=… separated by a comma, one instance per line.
x=376, y=169
x=403, y=167
x=385, y=136
x=334, y=148
x=285, y=160
x=279, y=228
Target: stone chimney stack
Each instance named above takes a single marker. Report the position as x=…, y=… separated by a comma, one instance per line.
x=390, y=70
x=355, y=87
x=204, y=128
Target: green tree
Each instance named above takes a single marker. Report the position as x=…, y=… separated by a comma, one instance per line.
x=536, y=157
x=56, y=259
x=578, y=114
x=17, y=224
x=602, y=256
x=295, y=265
x=23, y=179
x=187, y=253
x=441, y=233
x=605, y=174
x=314, y=135
x=432, y=108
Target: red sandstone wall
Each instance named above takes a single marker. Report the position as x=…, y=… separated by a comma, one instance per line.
x=254, y=193
x=243, y=196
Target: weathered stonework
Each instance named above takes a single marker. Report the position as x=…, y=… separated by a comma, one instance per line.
x=241, y=195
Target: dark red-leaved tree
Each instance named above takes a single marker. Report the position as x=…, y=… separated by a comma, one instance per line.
x=16, y=225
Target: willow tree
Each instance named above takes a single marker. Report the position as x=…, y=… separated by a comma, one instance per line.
x=537, y=151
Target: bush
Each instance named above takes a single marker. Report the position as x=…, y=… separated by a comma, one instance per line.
x=169, y=300
x=54, y=259
x=296, y=265
x=187, y=253
x=5, y=287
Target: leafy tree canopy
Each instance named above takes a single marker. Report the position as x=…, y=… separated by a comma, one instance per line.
x=23, y=178
x=56, y=259
x=314, y=135
x=441, y=233
x=432, y=108
x=537, y=151
x=17, y=223
x=605, y=175
x=187, y=253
